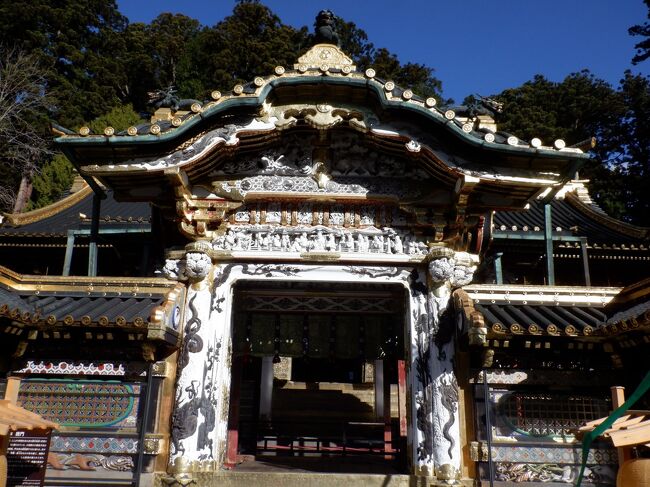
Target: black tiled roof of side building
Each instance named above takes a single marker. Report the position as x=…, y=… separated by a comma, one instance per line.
x=570, y=216
x=58, y=218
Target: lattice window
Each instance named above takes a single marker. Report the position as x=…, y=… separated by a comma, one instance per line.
x=538, y=414
x=82, y=403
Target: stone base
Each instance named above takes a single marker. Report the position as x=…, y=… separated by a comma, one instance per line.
x=300, y=479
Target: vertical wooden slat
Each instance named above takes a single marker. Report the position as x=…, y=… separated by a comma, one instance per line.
x=233, y=417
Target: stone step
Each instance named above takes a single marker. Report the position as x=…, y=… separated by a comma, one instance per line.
x=304, y=479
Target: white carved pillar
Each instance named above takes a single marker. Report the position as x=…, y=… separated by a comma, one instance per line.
x=447, y=270
x=435, y=387
x=195, y=418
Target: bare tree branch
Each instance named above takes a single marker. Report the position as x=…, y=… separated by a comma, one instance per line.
x=24, y=142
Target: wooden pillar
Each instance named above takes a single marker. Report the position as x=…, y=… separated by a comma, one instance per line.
x=618, y=399
x=548, y=241
x=498, y=267
x=585, y=260
x=379, y=389
x=69, y=248
x=266, y=388
x=388, y=432
x=4, y=444
x=233, y=417
x=401, y=406
x=94, y=232
x=11, y=395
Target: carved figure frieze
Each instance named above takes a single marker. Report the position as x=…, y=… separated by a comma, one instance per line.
x=342, y=185
x=89, y=462
x=319, y=239
x=349, y=157
x=551, y=472
x=198, y=147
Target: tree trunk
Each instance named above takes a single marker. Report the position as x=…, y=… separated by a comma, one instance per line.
x=24, y=193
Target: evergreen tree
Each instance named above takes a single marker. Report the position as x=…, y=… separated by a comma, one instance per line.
x=55, y=177
x=246, y=44
x=80, y=43
x=642, y=30
x=419, y=78
x=583, y=106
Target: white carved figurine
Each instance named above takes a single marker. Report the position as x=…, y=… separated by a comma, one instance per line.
x=398, y=247
x=331, y=243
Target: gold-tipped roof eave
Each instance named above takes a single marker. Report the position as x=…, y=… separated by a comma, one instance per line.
x=19, y=219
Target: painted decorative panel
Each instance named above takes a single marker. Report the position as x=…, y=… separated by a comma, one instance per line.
x=93, y=444
x=83, y=404
x=81, y=367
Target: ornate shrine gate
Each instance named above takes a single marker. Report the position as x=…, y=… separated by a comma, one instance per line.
x=318, y=174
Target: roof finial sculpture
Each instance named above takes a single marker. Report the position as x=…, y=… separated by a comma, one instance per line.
x=326, y=54
x=324, y=32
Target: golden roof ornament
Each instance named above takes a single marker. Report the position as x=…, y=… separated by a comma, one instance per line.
x=325, y=54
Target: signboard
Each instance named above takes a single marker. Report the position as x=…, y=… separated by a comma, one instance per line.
x=27, y=457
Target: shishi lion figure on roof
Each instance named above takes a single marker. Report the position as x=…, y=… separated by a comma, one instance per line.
x=325, y=33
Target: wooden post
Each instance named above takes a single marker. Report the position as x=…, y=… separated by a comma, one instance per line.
x=548, y=242
x=11, y=395
x=498, y=267
x=12, y=417
x=233, y=417
x=266, y=388
x=388, y=430
x=13, y=387
x=618, y=399
x=585, y=260
x=401, y=407
x=379, y=389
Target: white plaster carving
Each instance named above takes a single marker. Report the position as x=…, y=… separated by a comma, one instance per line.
x=447, y=270
x=318, y=239
x=273, y=213
x=242, y=216
x=197, y=265
x=351, y=158
x=227, y=135
x=337, y=213
x=174, y=269
x=367, y=215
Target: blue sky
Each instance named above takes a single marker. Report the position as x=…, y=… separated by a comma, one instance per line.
x=475, y=46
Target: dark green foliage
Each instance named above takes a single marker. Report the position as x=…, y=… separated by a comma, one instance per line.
x=643, y=30
x=246, y=44
x=583, y=106
x=579, y=107
x=56, y=175
x=633, y=147
x=79, y=43
x=120, y=118
x=52, y=181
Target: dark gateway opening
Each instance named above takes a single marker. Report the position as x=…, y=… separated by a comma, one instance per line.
x=318, y=377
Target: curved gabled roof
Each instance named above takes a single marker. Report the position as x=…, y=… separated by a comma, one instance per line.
x=386, y=96
x=320, y=97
